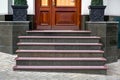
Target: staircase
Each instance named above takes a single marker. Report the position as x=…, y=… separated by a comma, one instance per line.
x=60, y=51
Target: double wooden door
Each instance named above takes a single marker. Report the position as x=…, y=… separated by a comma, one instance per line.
x=57, y=14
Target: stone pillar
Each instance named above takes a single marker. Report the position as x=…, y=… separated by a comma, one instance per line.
x=108, y=31
x=9, y=32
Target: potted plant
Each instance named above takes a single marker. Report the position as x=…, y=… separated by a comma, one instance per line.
x=97, y=10
x=20, y=10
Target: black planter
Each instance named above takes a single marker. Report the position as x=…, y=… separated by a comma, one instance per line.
x=19, y=13
x=97, y=13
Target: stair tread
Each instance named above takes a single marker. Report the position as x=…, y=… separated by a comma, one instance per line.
x=82, y=44
x=37, y=37
x=60, y=31
x=62, y=67
x=31, y=55
x=53, y=58
x=63, y=51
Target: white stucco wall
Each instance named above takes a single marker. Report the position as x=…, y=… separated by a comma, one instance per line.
x=85, y=5
x=111, y=9
x=31, y=8
x=10, y=2
x=6, y=8
x=3, y=7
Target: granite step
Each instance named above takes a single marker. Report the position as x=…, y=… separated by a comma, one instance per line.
x=60, y=53
x=79, y=69
x=59, y=46
x=60, y=39
x=58, y=33
x=63, y=61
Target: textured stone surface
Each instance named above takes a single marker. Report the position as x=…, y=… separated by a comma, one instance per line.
x=53, y=54
x=9, y=31
x=61, y=40
x=2, y=17
x=119, y=53
x=62, y=47
x=6, y=72
x=58, y=33
x=97, y=13
x=19, y=12
x=108, y=31
x=60, y=62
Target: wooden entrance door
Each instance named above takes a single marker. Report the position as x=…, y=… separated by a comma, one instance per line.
x=58, y=14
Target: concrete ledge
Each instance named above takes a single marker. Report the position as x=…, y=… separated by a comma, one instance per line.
x=2, y=18
x=9, y=32
x=14, y=23
x=102, y=22
x=108, y=31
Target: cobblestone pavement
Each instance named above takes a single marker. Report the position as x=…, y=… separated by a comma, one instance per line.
x=6, y=72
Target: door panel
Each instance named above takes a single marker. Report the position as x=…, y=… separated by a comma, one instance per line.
x=57, y=14
x=65, y=18
x=45, y=18
x=43, y=14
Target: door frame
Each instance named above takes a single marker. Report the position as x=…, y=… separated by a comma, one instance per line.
x=79, y=8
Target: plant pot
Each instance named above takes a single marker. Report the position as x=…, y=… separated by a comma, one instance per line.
x=19, y=13
x=97, y=13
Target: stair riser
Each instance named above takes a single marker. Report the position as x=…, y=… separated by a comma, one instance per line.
x=58, y=34
x=59, y=47
x=42, y=57
x=59, y=63
x=61, y=40
x=90, y=71
x=60, y=54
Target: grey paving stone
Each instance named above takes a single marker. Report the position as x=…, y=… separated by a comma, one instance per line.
x=6, y=72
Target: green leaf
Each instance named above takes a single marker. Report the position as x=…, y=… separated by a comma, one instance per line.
x=97, y=2
x=20, y=2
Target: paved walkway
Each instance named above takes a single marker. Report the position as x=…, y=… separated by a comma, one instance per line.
x=6, y=73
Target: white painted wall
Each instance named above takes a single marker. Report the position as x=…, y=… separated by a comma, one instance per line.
x=31, y=8
x=10, y=2
x=106, y=4
x=111, y=9
x=86, y=4
x=8, y=10
x=3, y=7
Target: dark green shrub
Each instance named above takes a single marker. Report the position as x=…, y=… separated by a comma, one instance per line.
x=20, y=2
x=97, y=3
